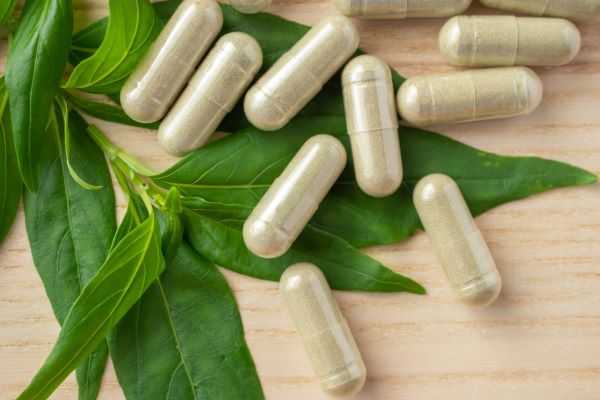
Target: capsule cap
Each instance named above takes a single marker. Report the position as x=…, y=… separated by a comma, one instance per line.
x=263, y=111
x=265, y=240
x=365, y=68
x=250, y=6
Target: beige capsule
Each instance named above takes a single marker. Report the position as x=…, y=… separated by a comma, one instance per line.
x=576, y=10
x=469, y=95
x=165, y=69
x=294, y=197
x=401, y=8
x=217, y=85
x=372, y=123
x=325, y=334
x=459, y=244
x=506, y=40
x=250, y=6
x=300, y=73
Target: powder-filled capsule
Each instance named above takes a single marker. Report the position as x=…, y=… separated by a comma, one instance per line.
x=325, y=334
x=506, y=40
x=250, y=6
x=214, y=89
x=167, y=66
x=459, y=244
x=300, y=73
x=401, y=8
x=469, y=95
x=294, y=197
x=372, y=123
x=576, y=10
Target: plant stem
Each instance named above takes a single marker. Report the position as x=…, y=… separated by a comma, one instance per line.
x=113, y=152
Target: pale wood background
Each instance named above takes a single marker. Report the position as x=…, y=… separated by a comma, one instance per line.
x=541, y=340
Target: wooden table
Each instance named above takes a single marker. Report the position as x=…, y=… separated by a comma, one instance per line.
x=541, y=340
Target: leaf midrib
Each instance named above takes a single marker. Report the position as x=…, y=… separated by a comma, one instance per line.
x=176, y=337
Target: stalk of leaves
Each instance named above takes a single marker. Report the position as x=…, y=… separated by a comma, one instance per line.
x=187, y=218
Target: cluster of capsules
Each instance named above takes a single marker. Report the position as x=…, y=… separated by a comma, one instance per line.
x=190, y=114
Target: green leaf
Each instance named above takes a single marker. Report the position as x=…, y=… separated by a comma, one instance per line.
x=132, y=27
x=85, y=42
x=238, y=169
x=36, y=62
x=10, y=180
x=130, y=268
x=6, y=9
x=190, y=317
x=210, y=225
x=70, y=229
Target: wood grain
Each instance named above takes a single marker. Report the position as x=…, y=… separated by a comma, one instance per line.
x=541, y=340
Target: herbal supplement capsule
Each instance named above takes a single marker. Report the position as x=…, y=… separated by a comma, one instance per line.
x=250, y=6
x=576, y=10
x=372, y=123
x=506, y=40
x=300, y=73
x=325, y=334
x=459, y=244
x=213, y=91
x=167, y=66
x=469, y=95
x=294, y=197
x=401, y=8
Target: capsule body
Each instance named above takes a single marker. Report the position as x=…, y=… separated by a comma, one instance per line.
x=401, y=8
x=165, y=69
x=506, y=40
x=372, y=123
x=469, y=95
x=250, y=6
x=213, y=91
x=300, y=73
x=325, y=334
x=459, y=244
x=294, y=197
x=575, y=10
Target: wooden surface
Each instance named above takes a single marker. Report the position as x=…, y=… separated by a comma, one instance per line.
x=541, y=340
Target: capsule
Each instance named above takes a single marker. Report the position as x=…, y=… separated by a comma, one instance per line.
x=213, y=91
x=372, y=123
x=294, y=197
x=250, y=6
x=167, y=66
x=575, y=10
x=401, y=8
x=300, y=73
x=506, y=40
x=469, y=96
x=325, y=334
x=459, y=244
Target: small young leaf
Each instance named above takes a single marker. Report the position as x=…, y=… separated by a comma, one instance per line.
x=6, y=9
x=107, y=112
x=171, y=225
x=238, y=170
x=131, y=267
x=36, y=63
x=190, y=317
x=10, y=180
x=208, y=226
x=132, y=27
x=70, y=229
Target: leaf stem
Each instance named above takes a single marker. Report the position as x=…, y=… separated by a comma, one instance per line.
x=113, y=152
